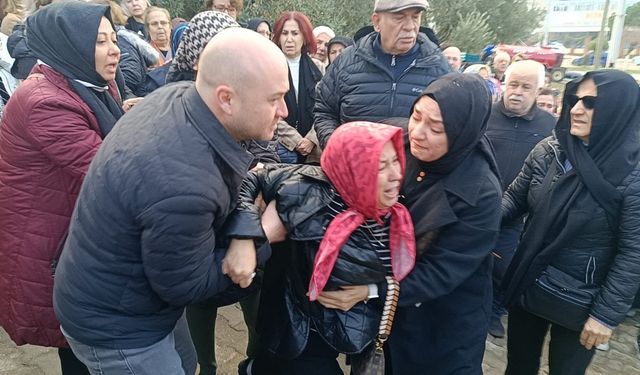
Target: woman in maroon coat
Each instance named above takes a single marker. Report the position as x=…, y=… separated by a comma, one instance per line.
x=51, y=129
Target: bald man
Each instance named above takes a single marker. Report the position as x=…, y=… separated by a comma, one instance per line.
x=515, y=126
x=454, y=57
x=146, y=236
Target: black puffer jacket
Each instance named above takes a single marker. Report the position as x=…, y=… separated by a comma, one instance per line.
x=303, y=193
x=597, y=254
x=357, y=86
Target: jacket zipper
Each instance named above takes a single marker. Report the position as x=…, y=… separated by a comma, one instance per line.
x=394, y=85
x=561, y=295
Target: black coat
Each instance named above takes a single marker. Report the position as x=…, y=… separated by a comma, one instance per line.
x=513, y=137
x=597, y=254
x=445, y=303
x=358, y=87
x=303, y=193
x=301, y=108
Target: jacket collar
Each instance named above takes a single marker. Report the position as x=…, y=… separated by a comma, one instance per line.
x=212, y=130
x=528, y=116
x=427, y=53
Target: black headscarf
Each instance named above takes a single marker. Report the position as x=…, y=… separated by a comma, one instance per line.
x=612, y=153
x=465, y=105
x=253, y=24
x=63, y=36
x=614, y=144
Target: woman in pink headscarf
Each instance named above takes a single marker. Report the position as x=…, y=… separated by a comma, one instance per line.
x=346, y=232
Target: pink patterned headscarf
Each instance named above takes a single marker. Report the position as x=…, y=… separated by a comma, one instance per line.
x=351, y=162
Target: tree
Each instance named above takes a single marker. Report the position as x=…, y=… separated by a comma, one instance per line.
x=471, y=33
x=509, y=20
x=633, y=15
x=345, y=17
x=181, y=8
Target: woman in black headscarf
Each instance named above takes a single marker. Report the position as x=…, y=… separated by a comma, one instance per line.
x=261, y=26
x=51, y=129
x=452, y=190
x=581, y=191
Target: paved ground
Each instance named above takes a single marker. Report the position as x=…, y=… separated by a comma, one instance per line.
x=231, y=335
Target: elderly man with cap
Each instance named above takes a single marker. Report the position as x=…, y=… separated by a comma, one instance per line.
x=384, y=72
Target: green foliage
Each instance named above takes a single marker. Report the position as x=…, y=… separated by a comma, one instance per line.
x=471, y=33
x=592, y=45
x=633, y=15
x=181, y=8
x=509, y=20
x=493, y=20
x=345, y=17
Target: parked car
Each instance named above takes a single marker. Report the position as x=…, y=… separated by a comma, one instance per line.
x=579, y=61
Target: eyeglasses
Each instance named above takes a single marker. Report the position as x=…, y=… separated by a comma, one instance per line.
x=224, y=9
x=588, y=101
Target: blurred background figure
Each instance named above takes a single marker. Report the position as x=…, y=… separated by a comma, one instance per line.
x=323, y=35
x=157, y=22
x=261, y=26
x=135, y=22
x=454, y=57
x=335, y=47
x=15, y=12
x=547, y=100
x=501, y=62
x=231, y=7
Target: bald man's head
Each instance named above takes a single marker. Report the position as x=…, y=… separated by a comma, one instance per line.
x=454, y=57
x=243, y=78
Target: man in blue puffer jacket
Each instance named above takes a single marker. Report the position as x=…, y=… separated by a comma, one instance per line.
x=383, y=74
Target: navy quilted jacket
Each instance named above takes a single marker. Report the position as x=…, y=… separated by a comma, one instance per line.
x=357, y=86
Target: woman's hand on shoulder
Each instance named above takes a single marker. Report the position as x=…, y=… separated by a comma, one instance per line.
x=345, y=298
x=594, y=333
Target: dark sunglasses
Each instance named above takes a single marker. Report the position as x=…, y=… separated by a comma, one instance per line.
x=588, y=101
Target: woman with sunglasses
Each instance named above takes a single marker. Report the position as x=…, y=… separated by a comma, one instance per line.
x=581, y=192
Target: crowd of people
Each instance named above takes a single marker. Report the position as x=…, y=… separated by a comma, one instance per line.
x=367, y=196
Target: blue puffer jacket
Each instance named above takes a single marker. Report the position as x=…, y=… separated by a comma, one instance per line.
x=358, y=86
x=597, y=255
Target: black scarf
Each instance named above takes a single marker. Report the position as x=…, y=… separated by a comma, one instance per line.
x=465, y=104
x=63, y=36
x=301, y=110
x=613, y=152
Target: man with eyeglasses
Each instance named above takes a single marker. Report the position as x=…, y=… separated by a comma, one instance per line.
x=547, y=101
x=516, y=125
x=231, y=7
